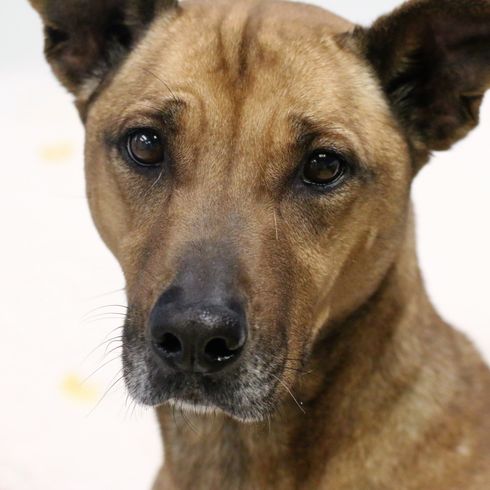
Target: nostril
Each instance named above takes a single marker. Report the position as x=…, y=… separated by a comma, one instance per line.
x=217, y=350
x=170, y=344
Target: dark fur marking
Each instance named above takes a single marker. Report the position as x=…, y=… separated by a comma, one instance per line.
x=433, y=60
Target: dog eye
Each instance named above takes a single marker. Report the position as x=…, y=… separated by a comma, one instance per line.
x=145, y=147
x=324, y=167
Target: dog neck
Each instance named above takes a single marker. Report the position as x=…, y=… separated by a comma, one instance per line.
x=352, y=385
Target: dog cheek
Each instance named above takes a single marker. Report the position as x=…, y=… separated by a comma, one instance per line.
x=107, y=204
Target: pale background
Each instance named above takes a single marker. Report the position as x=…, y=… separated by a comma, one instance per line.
x=54, y=435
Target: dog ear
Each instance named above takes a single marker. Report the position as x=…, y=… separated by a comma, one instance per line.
x=433, y=60
x=86, y=39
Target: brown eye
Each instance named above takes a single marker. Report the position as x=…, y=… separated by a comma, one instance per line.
x=324, y=168
x=146, y=148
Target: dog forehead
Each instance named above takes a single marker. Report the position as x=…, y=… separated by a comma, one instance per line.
x=237, y=36
x=257, y=65
x=203, y=40
x=269, y=13
x=219, y=49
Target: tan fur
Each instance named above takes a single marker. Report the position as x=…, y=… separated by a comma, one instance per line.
x=376, y=391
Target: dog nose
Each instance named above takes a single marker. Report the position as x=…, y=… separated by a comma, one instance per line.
x=199, y=338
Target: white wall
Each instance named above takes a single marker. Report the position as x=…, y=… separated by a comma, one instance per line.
x=54, y=270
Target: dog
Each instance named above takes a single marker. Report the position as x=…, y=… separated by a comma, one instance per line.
x=249, y=164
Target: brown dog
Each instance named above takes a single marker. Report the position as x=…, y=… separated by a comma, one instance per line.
x=249, y=163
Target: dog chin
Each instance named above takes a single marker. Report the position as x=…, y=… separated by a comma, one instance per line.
x=193, y=408
x=201, y=406
x=204, y=410
x=243, y=414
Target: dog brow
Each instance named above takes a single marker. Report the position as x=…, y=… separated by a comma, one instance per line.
x=163, y=82
x=147, y=113
x=306, y=130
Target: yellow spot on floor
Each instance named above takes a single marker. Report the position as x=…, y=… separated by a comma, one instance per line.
x=77, y=389
x=57, y=153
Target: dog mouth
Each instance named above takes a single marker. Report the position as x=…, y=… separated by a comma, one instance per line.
x=246, y=392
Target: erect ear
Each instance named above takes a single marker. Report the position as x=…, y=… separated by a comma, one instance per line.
x=86, y=39
x=433, y=60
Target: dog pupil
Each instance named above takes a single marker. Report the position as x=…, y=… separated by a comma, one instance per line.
x=323, y=168
x=146, y=148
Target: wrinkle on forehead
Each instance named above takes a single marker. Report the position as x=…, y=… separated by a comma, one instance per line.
x=245, y=68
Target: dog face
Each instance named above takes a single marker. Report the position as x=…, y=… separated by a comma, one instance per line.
x=249, y=164
x=258, y=205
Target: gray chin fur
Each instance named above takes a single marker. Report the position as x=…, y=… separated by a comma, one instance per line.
x=247, y=393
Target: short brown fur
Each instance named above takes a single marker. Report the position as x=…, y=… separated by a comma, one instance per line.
x=351, y=381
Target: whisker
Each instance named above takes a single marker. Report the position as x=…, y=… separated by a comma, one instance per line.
x=155, y=183
x=109, y=293
x=119, y=327
x=103, y=307
x=130, y=409
x=94, y=321
x=99, y=368
x=106, y=393
x=104, y=342
x=163, y=82
x=160, y=175
x=128, y=400
x=295, y=365
x=290, y=392
x=135, y=406
x=113, y=341
x=108, y=314
x=114, y=349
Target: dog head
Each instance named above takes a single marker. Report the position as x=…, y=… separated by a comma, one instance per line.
x=249, y=164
